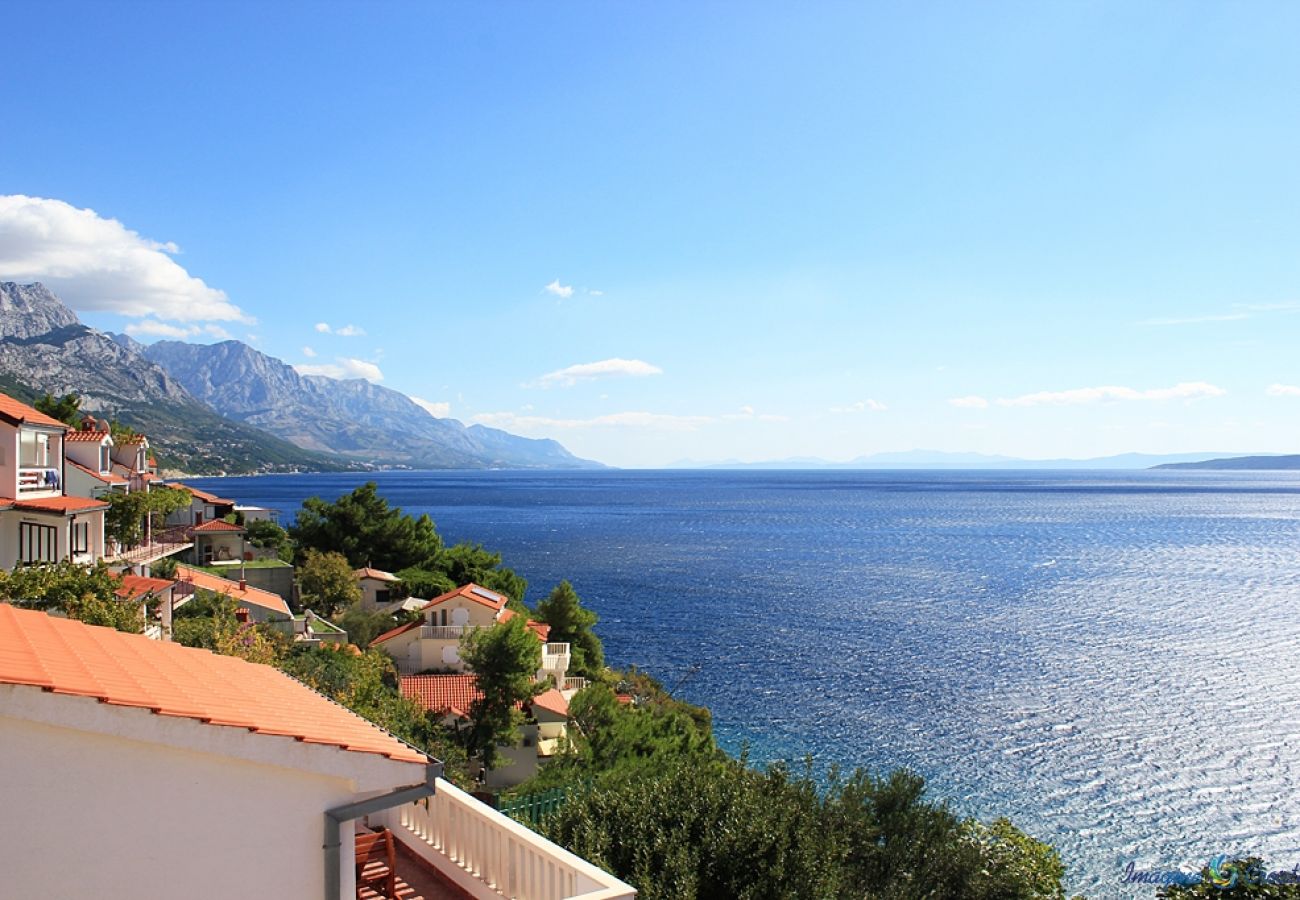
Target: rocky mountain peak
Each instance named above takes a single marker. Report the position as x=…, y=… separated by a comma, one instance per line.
x=30, y=310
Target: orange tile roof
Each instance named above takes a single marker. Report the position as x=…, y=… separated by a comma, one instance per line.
x=541, y=630
x=16, y=412
x=394, y=632
x=479, y=594
x=203, y=495
x=551, y=700
x=82, y=436
x=137, y=586
x=63, y=505
x=214, y=525
x=442, y=693
x=110, y=478
x=377, y=574
x=64, y=656
x=217, y=584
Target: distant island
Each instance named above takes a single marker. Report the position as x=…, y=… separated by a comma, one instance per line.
x=1241, y=463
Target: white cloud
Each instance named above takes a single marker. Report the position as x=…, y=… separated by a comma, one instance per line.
x=309, y=352
x=971, y=402
x=437, y=410
x=648, y=420
x=1188, y=390
x=594, y=293
x=350, y=331
x=1283, y=390
x=867, y=405
x=342, y=367
x=99, y=264
x=559, y=290
x=218, y=332
x=606, y=368
x=323, y=327
x=154, y=328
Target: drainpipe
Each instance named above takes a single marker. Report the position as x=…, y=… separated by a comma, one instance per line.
x=334, y=819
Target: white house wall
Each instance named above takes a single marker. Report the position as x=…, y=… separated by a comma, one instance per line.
x=154, y=819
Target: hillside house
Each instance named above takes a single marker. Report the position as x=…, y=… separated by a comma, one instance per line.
x=39, y=520
x=189, y=774
x=88, y=452
x=433, y=642
x=262, y=606
x=217, y=541
x=544, y=734
x=204, y=507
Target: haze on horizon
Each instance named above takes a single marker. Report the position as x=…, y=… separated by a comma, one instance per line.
x=683, y=231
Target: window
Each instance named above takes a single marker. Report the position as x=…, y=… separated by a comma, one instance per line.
x=80, y=537
x=37, y=543
x=33, y=449
x=382, y=596
x=105, y=463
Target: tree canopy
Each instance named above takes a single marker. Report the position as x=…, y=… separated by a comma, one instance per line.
x=82, y=593
x=365, y=529
x=66, y=409
x=326, y=583
x=571, y=623
x=505, y=657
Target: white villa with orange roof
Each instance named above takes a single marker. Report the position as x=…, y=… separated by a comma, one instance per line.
x=262, y=606
x=141, y=768
x=433, y=642
x=39, y=521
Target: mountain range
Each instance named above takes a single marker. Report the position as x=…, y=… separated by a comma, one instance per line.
x=228, y=408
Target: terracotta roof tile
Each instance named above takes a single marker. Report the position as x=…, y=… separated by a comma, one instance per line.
x=377, y=574
x=81, y=436
x=18, y=412
x=249, y=595
x=552, y=701
x=64, y=656
x=137, y=586
x=442, y=693
x=540, y=629
x=60, y=504
x=216, y=525
x=394, y=632
x=477, y=593
x=203, y=495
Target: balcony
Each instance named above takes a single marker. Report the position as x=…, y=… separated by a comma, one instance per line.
x=163, y=542
x=36, y=480
x=555, y=657
x=490, y=856
x=574, y=684
x=445, y=632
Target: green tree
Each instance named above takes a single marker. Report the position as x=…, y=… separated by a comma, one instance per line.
x=326, y=583
x=66, y=408
x=365, y=529
x=363, y=626
x=128, y=514
x=505, y=658
x=208, y=621
x=267, y=535
x=571, y=623
x=466, y=562
x=82, y=593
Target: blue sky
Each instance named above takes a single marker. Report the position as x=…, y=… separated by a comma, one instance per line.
x=681, y=230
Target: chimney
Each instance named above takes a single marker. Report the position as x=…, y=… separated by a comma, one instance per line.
x=241, y=615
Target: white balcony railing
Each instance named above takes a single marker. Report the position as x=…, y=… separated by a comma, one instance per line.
x=574, y=684
x=555, y=657
x=445, y=632
x=489, y=855
x=32, y=479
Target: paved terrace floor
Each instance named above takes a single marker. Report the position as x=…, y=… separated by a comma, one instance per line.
x=416, y=880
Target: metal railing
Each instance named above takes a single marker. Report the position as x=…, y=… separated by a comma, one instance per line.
x=445, y=632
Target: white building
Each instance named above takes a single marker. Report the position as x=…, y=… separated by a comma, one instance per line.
x=39, y=521
x=143, y=768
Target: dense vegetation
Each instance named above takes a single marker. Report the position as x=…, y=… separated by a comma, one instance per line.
x=650, y=796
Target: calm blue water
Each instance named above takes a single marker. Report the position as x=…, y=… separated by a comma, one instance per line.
x=1110, y=659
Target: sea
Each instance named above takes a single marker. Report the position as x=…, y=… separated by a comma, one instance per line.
x=1109, y=659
